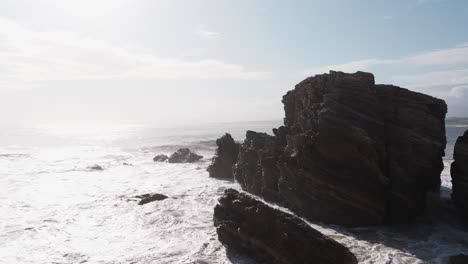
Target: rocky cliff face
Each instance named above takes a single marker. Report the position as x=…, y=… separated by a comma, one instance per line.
x=459, y=172
x=349, y=148
x=248, y=226
x=225, y=158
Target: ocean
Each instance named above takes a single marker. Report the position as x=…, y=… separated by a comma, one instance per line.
x=55, y=209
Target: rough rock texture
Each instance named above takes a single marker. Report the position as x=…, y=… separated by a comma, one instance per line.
x=248, y=226
x=184, y=155
x=256, y=169
x=458, y=259
x=225, y=158
x=160, y=158
x=349, y=148
x=150, y=197
x=459, y=172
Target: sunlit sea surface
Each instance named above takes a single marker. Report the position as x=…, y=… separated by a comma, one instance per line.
x=55, y=209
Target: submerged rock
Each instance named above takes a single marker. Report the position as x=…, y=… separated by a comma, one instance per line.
x=96, y=167
x=225, y=158
x=160, y=158
x=150, y=197
x=351, y=152
x=248, y=226
x=459, y=172
x=184, y=155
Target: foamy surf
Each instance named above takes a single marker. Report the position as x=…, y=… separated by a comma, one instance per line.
x=55, y=210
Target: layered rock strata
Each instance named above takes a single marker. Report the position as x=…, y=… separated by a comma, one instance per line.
x=351, y=152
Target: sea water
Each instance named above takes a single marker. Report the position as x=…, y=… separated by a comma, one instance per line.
x=55, y=209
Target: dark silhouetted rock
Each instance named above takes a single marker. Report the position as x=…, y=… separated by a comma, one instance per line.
x=349, y=148
x=459, y=172
x=150, y=197
x=458, y=259
x=225, y=158
x=96, y=167
x=160, y=158
x=248, y=226
x=256, y=169
x=184, y=155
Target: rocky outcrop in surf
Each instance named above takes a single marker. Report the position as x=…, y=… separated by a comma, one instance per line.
x=351, y=152
x=225, y=158
x=184, y=155
x=459, y=172
x=150, y=197
x=160, y=158
x=248, y=226
x=95, y=167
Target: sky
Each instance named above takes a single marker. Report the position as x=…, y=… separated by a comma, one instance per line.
x=189, y=62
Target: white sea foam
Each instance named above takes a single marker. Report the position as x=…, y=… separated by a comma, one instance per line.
x=54, y=209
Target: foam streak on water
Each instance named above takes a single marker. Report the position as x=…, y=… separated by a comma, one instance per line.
x=54, y=209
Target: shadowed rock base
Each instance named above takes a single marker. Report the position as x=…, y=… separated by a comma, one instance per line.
x=248, y=226
x=459, y=172
x=458, y=259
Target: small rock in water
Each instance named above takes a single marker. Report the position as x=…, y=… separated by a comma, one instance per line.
x=184, y=155
x=96, y=167
x=150, y=197
x=160, y=158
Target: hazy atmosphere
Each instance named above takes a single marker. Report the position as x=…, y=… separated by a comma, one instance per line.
x=233, y=131
x=174, y=61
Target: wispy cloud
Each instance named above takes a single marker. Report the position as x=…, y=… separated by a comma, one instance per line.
x=442, y=83
x=422, y=2
x=451, y=57
x=359, y=65
x=204, y=33
x=28, y=56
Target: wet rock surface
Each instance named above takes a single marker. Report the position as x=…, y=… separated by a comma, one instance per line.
x=248, y=226
x=224, y=159
x=349, y=148
x=184, y=155
x=160, y=158
x=459, y=173
x=150, y=197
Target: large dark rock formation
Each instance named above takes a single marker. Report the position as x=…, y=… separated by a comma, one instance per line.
x=459, y=172
x=225, y=157
x=351, y=152
x=184, y=155
x=248, y=226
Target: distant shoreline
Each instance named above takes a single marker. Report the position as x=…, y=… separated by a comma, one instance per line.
x=456, y=121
